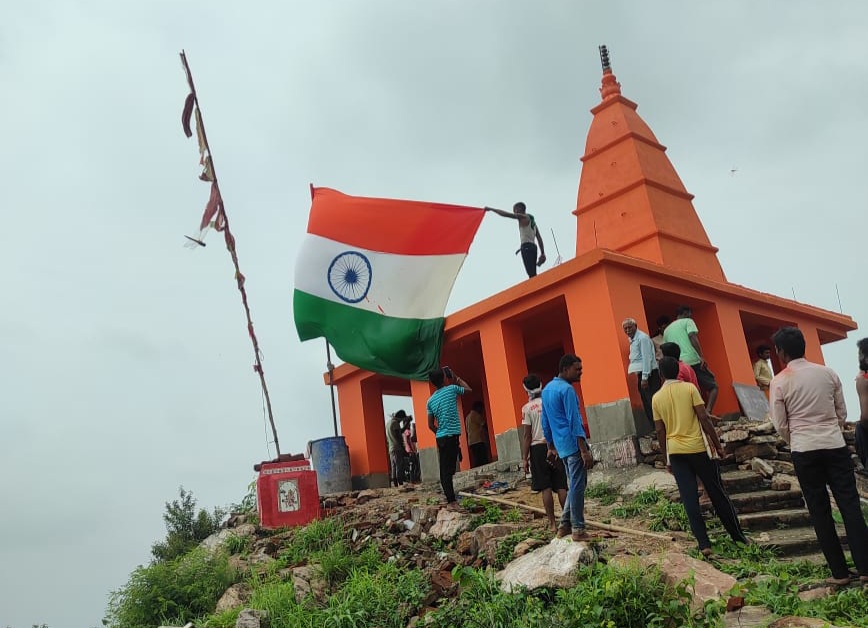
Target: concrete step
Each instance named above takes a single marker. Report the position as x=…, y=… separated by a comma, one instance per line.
x=741, y=481
x=765, y=500
x=773, y=519
x=796, y=542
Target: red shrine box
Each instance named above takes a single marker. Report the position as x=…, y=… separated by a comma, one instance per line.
x=286, y=494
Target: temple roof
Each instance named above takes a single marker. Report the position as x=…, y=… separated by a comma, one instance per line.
x=631, y=199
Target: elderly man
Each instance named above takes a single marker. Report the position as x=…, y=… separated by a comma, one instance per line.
x=807, y=408
x=643, y=362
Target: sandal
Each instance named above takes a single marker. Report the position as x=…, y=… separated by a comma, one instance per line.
x=580, y=535
x=838, y=582
x=706, y=552
x=564, y=531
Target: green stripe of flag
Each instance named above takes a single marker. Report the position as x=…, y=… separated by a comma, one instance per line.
x=403, y=347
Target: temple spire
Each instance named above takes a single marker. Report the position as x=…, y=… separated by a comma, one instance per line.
x=610, y=87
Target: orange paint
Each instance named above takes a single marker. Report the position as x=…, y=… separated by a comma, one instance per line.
x=641, y=251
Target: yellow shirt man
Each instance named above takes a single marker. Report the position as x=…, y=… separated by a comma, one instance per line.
x=674, y=405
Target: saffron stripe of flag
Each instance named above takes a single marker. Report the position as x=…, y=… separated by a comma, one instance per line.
x=374, y=275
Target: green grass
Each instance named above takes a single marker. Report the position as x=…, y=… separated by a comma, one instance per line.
x=604, y=492
x=639, y=504
x=505, y=548
x=312, y=538
x=605, y=597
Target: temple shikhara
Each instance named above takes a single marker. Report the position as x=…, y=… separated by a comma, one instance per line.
x=641, y=251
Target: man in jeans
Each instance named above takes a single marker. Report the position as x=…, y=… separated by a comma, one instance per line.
x=681, y=419
x=808, y=411
x=444, y=421
x=565, y=437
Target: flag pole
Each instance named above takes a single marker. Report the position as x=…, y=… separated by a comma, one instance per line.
x=230, y=246
x=331, y=368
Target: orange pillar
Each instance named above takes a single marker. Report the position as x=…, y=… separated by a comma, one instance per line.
x=421, y=391
x=596, y=341
x=738, y=365
x=813, y=350
x=363, y=425
x=505, y=366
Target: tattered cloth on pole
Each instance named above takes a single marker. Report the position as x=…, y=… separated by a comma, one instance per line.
x=213, y=216
x=373, y=277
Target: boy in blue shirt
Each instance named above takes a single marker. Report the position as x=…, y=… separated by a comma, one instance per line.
x=566, y=438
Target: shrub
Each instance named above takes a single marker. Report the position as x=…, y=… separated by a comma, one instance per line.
x=171, y=592
x=185, y=527
x=506, y=547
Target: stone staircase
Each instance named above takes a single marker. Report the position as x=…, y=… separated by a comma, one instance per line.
x=772, y=517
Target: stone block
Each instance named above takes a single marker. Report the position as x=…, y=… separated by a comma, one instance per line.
x=748, y=452
x=449, y=524
x=762, y=429
x=429, y=464
x=610, y=421
x=734, y=436
x=508, y=445
x=762, y=467
x=616, y=454
x=782, y=466
x=554, y=566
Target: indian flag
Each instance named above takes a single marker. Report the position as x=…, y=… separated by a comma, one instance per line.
x=373, y=277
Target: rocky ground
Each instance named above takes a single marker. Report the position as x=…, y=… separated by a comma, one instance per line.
x=411, y=527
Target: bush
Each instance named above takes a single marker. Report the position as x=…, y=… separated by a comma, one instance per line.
x=185, y=527
x=640, y=503
x=171, y=592
x=312, y=538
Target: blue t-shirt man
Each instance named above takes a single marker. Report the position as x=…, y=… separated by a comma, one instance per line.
x=565, y=434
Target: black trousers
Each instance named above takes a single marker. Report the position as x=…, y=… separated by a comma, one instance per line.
x=653, y=386
x=528, y=256
x=833, y=468
x=686, y=468
x=478, y=454
x=447, y=450
x=862, y=443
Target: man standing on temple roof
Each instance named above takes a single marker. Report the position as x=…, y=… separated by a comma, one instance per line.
x=527, y=233
x=685, y=334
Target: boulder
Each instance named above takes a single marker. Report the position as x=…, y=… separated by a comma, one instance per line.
x=236, y=595
x=449, y=524
x=425, y=516
x=709, y=583
x=817, y=593
x=663, y=480
x=252, y=618
x=762, y=467
x=553, y=566
x=747, y=617
x=487, y=537
x=307, y=581
x=526, y=546
x=750, y=451
x=648, y=446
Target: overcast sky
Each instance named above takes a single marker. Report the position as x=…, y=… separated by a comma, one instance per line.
x=126, y=367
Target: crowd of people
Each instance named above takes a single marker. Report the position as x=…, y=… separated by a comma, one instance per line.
x=678, y=392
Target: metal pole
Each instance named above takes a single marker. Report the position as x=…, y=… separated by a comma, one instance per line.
x=331, y=368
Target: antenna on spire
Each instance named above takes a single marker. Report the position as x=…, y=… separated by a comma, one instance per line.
x=604, y=57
